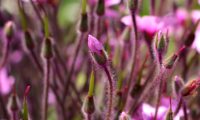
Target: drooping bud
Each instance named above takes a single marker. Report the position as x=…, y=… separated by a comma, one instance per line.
x=190, y=39
x=100, y=8
x=28, y=40
x=97, y=50
x=88, y=106
x=9, y=30
x=133, y=5
x=47, y=48
x=190, y=87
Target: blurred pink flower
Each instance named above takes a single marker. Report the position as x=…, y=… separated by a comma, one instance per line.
x=94, y=45
x=182, y=15
x=6, y=82
x=149, y=25
x=107, y=2
x=195, y=15
x=149, y=111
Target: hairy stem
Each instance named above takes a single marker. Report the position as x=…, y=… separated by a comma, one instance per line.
x=70, y=73
x=110, y=99
x=5, y=54
x=37, y=62
x=46, y=88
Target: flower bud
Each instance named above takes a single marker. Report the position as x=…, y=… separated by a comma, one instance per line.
x=9, y=30
x=47, y=49
x=13, y=103
x=190, y=39
x=28, y=40
x=190, y=87
x=88, y=106
x=100, y=8
x=84, y=23
x=97, y=50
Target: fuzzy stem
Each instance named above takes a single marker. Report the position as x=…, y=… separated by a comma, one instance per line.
x=46, y=88
x=37, y=63
x=153, y=5
x=5, y=54
x=3, y=107
x=37, y=12
x=110, y=99
x=99, y=27
x=159, y=97
x=135, y=53
x=178, y=106
x=70, y=73
x=14, y=115
x=185, y=110
x=89, y=117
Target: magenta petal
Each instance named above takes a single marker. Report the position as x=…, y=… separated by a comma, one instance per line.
x=94, y=45
x=127, y=20
x=112, y=2
x=6, y=82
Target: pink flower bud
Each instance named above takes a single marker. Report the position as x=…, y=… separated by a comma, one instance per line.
x=97, y=50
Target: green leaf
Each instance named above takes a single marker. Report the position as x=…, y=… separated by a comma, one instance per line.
x=91, y=86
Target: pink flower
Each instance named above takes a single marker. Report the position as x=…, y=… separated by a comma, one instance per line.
x=195, y=15
x=182, y=15
x=94, y=45
x=148, y=25
x=149, y=111
x=6, y=82
x=107, y=2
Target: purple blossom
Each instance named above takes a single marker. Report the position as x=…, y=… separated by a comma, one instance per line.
x=6, y=82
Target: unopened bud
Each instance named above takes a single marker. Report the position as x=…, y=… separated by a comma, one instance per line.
x=101, y=8
x=97, y=50
x=13, y=102
x=28, y=40
x=190, y=39
x=47, y=50
x=9, y=30
x=84, y=23
x=190, y=87
x=88, y=106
